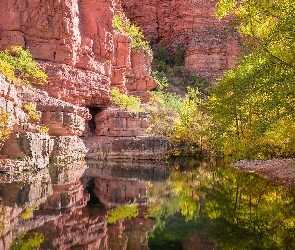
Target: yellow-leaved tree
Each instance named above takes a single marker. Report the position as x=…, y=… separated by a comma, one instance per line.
x=5, y=126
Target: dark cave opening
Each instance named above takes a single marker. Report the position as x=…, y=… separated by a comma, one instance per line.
x=91, y=124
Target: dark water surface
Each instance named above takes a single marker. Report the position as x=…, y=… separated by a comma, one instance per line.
x=184, y=204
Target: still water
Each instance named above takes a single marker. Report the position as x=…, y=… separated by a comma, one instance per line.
x=184, y=204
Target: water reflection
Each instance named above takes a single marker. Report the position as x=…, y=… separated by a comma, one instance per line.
x=236, y=210
x=185, y=204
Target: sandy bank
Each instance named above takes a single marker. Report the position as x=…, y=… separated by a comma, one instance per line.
x=281, y=171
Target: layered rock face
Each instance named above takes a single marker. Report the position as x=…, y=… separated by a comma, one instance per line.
x=116, y=122
x=210, y=45
x=128, y=148
x=62, y=118
x=75, y=43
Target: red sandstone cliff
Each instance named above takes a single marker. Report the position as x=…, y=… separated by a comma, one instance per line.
x=75, y=43
x=84, y=57
x=210, y=45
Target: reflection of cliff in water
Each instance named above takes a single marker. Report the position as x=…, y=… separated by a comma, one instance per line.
x=118, y=183
x=61, y=195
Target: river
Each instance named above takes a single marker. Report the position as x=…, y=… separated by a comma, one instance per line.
x=183, y=204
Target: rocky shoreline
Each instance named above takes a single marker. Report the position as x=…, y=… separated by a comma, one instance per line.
x=280, y=171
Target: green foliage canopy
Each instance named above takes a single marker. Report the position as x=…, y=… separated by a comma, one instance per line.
x=253, y=105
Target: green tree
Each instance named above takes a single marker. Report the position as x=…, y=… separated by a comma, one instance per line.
x=181, y=120
x=190, y=126
x=256, y=99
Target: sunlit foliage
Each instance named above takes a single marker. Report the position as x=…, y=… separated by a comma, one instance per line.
x=28, y=213
x=5, y=126
x=253, y=105
x=31, y=112
x=7, y=69
x=43, y=129
x=128, y=28
x=128, y=102
x=163, y=108
x=180, y=119
x=18, y=65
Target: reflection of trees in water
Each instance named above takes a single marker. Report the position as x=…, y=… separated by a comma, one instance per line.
x=250, y=212
x=236, y=209
x=26, y=241
x=239, y=210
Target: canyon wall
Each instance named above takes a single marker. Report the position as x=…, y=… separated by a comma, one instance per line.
x=75, y=43
x=84, y=57
x=210, y=44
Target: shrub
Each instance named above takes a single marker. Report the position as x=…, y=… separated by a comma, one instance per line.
x=179, y=56
x=26, y=241
x=128, y=102
x=161, y=78
x=162, y=58
x=19, y=65
x=31, y=112
x=28, y=213
x=5, y=127
x=7, y=70
x=181, y=120
x=128, y=28
x=43, y=129
x=163, y=108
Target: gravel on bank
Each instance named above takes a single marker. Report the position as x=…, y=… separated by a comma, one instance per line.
x=281, y=171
